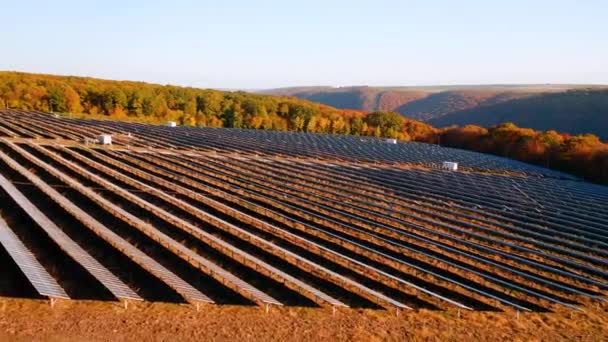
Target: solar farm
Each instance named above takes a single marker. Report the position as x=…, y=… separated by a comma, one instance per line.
x=214, y=216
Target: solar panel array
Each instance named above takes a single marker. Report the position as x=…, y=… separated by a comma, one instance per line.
x=301, y=219
x=183, y=288
x=35, y=273
x=102, y=274
x=321, y=146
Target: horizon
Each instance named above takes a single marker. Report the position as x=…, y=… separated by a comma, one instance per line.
x=472, y=85
x=269, y=44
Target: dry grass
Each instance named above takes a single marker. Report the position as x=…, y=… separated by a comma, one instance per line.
x=31, y=320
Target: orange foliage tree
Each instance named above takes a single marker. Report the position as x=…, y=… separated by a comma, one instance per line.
x=584, y=155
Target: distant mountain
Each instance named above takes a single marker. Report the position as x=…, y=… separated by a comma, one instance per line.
x=363, y=98
x=567, y=108
x=573, y=112
x=421, y=103
x=444, y=103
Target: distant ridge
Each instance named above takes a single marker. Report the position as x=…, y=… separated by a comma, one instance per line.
x=574, y=111
x=536, y=106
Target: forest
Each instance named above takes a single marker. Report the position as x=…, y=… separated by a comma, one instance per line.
x=124, y=100
x=584, y=155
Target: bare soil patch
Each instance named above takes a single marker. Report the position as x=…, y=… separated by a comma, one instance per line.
x=35, y=320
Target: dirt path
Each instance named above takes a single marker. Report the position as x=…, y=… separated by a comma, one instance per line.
x=31, y=320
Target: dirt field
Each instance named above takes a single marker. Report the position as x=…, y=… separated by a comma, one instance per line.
x=31, y=320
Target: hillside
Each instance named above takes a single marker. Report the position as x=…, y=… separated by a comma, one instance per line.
x=361, y=98
x=574, y=112
x=154, y=103
x=420, y=103
x=437, y=105
x=537, y=106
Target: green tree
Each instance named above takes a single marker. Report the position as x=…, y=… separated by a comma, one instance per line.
x=57, y=99
x=386, y=123
x=356, y=126
x=209, y=103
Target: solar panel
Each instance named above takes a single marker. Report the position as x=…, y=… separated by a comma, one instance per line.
x=488, y=276
x=224, y=208
x=500, y=230
x=198, y=232
x=214, y=270
x=22, y=131
x=327, y=273
x=324, y=146
x=363, y=206
x=293, y=237
x=8, y=132
x=35, y=273
x=189, y=293
x=103, y=275
x=371, y=268
x=358, y=209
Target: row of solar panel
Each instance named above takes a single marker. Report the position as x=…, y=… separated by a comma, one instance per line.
x=360, y=218
x=269, y=142
x=408, y=185
x=200, y=170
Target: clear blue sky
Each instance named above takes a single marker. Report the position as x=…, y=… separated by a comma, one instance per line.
x=262, y=44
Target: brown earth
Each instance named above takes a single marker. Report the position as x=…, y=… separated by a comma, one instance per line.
x=33, y=320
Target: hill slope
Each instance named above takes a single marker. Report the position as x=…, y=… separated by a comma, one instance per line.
x=444, y=103
x=537, y=106
x=416, y=102
x=574, y=112
x=154, y=103
x=361, y=98
x=147, y=102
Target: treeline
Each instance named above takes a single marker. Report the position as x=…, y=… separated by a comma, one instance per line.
x=194, y=107
x=583, y=155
